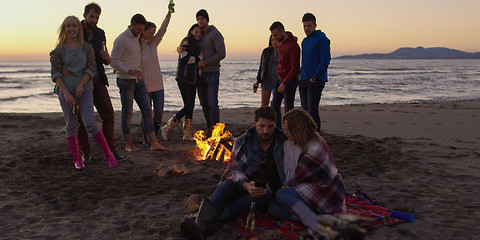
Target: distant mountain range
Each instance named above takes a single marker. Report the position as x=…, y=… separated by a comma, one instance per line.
x=417, y=53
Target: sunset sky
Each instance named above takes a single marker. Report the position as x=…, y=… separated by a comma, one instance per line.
x=29, y=27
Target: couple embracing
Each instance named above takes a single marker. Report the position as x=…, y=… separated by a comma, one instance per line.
x=302, y=178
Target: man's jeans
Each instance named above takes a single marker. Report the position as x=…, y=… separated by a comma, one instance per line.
x=228, y=195
x=85, y=102
x=188, y=96
x=310, y=94
x=129, y=90
x=103, y=104
x=207, y=87
x=288, y=94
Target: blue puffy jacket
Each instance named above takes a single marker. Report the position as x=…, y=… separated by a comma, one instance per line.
x=315, y=56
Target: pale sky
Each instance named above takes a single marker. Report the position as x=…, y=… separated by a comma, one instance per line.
x=29, y=27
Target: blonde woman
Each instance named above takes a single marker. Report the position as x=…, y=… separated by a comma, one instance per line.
x=72, y=70
x=316, y=186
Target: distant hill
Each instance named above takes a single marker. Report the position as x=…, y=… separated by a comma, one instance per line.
x=417, y=53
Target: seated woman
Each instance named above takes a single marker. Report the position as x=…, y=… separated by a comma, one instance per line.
x=316, y=186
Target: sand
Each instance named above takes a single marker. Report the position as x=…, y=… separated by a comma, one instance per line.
x=421, y=158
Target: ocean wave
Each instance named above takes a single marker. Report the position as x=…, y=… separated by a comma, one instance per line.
x=32, y=71
x=7, y=99
x=239, y=62
x=255, y=70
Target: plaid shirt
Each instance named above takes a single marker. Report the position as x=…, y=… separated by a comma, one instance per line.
x=246, y=156
x=317, y=179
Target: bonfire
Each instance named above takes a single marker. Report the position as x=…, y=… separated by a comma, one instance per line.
x=217, y=147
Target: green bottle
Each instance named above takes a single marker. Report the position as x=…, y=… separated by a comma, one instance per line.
x=170, y=6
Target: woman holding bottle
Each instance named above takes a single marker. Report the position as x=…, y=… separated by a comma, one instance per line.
x=267, y=73
x=151, y=72
x=72, y=70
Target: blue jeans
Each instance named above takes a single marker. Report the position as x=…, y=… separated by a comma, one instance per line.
x=281, y=206
x=157, y=99
x=188, y=96
x=207, y=87
x=288, y=95
x=86, y=110
x=228, y=195
x=310, y=94
x=129, y=90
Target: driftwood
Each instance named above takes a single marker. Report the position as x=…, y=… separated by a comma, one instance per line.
x=174, y=170
x=192, y=204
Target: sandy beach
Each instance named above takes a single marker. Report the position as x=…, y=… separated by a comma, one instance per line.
x=420, y=158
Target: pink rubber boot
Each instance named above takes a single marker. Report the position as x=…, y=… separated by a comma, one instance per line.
x=73, y=146
x=100, y=139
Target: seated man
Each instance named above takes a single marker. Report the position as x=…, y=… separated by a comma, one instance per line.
x=257, y=156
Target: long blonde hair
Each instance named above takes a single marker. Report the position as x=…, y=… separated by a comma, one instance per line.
x=301, y=127
x=62, y=32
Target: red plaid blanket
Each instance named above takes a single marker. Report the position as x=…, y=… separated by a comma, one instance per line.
x=358, y=204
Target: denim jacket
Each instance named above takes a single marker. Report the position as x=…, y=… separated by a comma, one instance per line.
x=246, y=156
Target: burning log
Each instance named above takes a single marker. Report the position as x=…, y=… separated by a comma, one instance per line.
x=217, y=147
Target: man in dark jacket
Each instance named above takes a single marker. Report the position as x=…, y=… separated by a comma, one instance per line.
x=101, y=99
x=315, y=60
x=288, y=69
x=257, y=157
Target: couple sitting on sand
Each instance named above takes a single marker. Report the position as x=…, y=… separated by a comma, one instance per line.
x=301, y=175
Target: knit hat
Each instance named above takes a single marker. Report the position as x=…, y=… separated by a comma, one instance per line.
x=203, y=13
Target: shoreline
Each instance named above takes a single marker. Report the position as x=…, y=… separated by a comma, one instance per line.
x=420, y=158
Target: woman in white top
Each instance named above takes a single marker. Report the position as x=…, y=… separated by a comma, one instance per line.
x=151, y=72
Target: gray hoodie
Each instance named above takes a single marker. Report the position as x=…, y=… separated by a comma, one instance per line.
x=213, y=47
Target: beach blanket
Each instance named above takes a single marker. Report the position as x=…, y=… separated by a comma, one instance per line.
x=358, y=204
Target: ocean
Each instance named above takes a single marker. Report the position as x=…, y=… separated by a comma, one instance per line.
x=26, y=87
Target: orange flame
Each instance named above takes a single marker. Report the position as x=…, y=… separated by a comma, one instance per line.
x=212, y=148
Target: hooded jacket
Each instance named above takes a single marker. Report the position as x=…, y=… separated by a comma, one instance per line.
x=213, y=47
x=288, y=59
x=315, y=56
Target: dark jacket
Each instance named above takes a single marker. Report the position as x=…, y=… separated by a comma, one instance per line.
x=264, y=60
x=188, y=72
x=96, y=42
x=288, y=59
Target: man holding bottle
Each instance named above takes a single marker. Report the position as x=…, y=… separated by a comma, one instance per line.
x=254, y=173
x=126, y=60
x=101, y=99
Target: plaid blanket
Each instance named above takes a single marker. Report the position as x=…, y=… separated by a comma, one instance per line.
x=358, y=204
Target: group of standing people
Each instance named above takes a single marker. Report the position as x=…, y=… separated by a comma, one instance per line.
x=280, y=70
x=79, y=75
